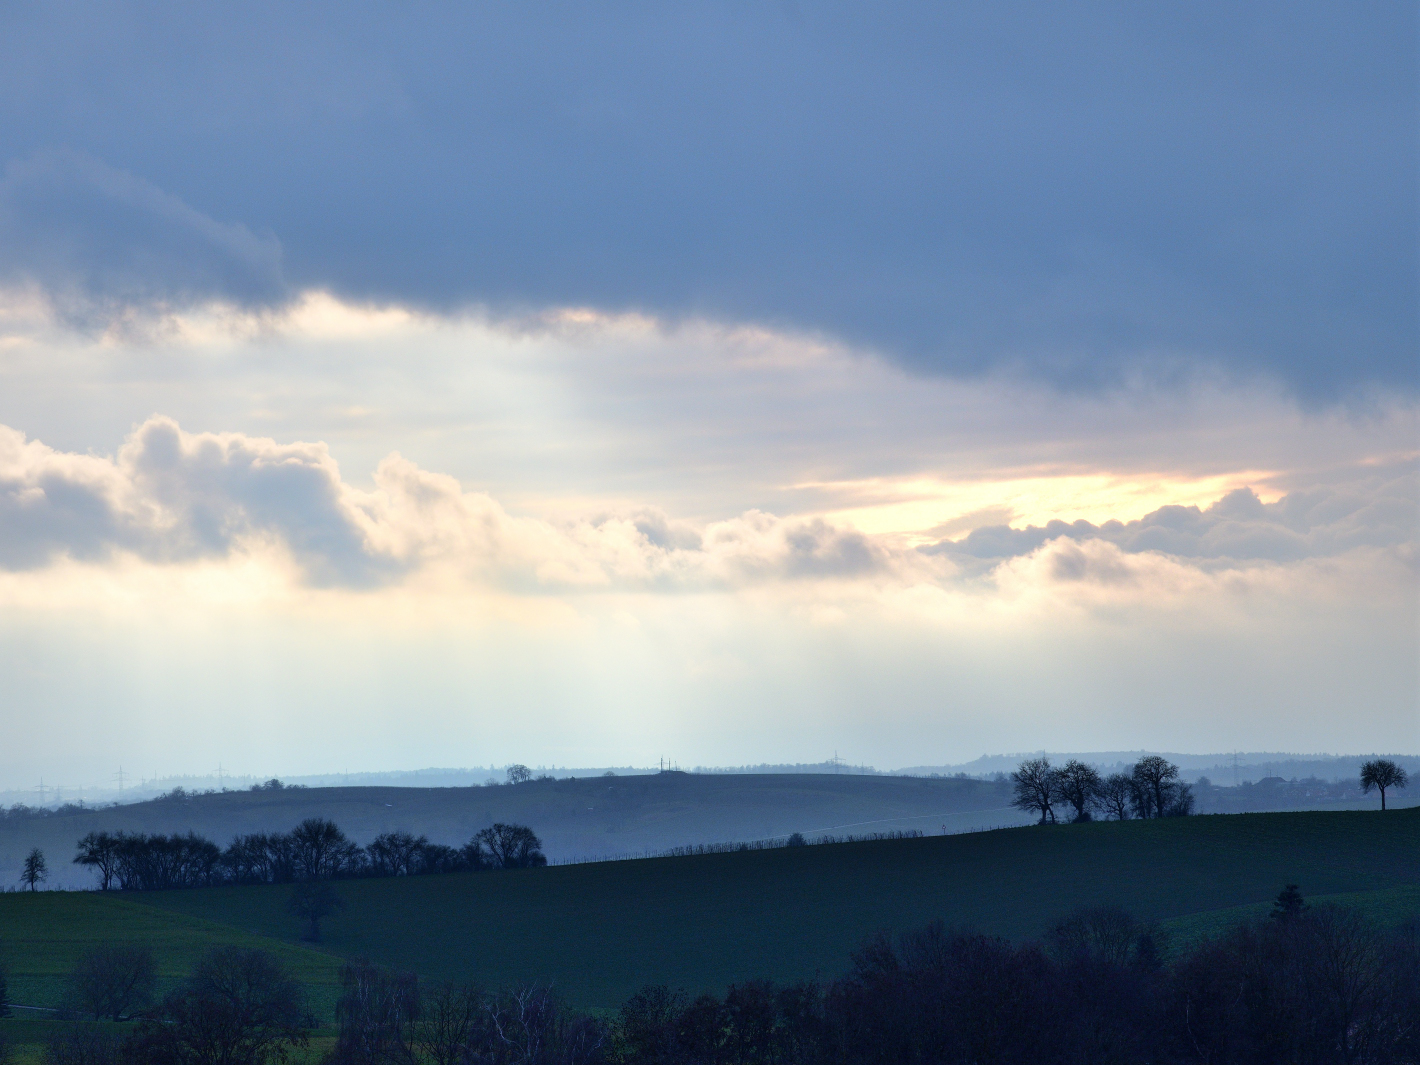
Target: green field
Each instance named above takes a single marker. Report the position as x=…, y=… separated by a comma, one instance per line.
x=1385, y=909
x=42, y=935
x=600, y=931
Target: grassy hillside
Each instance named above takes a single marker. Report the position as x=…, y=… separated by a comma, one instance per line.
x=600, y=931
x=42, y=935
x=591, y=817
x=1385, y=908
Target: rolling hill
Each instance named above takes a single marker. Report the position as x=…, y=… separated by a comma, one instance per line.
x=599, y=931
x=583, y=818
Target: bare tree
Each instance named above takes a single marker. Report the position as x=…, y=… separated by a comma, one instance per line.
x=312, y=900
x=1382, y=773
x=239, y=1007
x=1155, y=780
x=519, y=774
x=99, y=850
x=1079, y=785
x=114, y=980
x=1115, y=794
x=34, y=871
x=397, y=853
x=511, y=846
x=1105, y=932
x=1037, y=788
x=529, y=1025
x=320, y=849
x=1180, y=802
x=258, y=858
x=375, y=1012
x=448, y=1021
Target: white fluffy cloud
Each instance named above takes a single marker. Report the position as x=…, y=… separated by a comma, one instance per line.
x=1379, y=511
x=170, y=496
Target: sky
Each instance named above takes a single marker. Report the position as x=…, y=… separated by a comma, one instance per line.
x=386, y=387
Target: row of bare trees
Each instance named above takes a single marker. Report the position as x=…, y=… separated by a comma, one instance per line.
x=315, y=850
x=1151, y=788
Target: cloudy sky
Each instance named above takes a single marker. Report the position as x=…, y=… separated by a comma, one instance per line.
x=388, y=386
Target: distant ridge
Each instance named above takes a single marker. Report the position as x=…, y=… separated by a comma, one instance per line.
x=1223, y=769
x=1246, y=766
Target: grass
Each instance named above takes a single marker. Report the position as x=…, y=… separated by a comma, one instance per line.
x=600, y=931
x=1386, y=908
x=27, y=1037
x=43, y=934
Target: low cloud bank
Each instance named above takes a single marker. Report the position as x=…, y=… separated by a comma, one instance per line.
x=1316, y=523
x=169, y=496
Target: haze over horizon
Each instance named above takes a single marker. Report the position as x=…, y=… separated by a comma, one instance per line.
x=545, y=385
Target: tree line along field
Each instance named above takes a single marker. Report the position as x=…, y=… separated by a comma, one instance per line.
x=598, y=932
x=589, y=817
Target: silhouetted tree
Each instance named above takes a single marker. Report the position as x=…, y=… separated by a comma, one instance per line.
x=239, y=1007
x=320, y=850
x=1382, y=773
x=437, y=858
x=1079, y=785
x=1104, y=932
x=34, y=872
x=375, y=1012
x=1321, y=986
x=1180, y=800
x=99, y=850
x=511, y=846
x=397, y=853
x=648, y=1028
x=473, y=856
x=113, y=981
x=527, y=1024
x=1115, y=796
x=1288, y=904
x=259, y=858
x=938, y=996
x=1155, y=782
x=448, y=1025
x=148, y=863
x=312, y=900
x=519, y=774
x=1037, y=788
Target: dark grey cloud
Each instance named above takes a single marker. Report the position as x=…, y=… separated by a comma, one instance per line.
x=1076, y=191
x=1318, y=522
x=98, y=239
